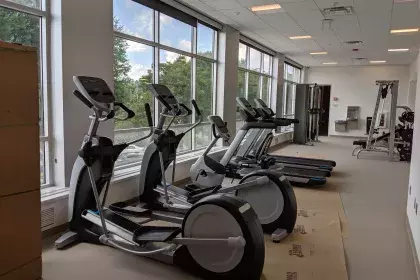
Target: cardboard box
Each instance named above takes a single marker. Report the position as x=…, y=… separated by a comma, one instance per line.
x=20, y=234
x=22, y=153
x=29, y=271
x=314, y=251
x=19, y=85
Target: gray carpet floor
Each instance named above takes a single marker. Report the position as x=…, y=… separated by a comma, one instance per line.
x=373, y=193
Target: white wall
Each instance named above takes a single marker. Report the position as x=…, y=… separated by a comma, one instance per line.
x=414, y=183
x=412, y=88
x=355, y=86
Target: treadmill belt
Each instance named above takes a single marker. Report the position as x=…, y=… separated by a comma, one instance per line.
x=305, y=161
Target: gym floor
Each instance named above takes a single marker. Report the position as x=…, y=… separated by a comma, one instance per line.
x=373, y=192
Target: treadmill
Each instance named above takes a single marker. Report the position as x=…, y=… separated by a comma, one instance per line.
x=258, y=144
x=254, y=121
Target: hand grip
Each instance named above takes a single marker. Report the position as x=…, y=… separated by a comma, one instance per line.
x=186, y=108
x=197, y=110
x=148, y=114
x=130, y=113
x=80, y=96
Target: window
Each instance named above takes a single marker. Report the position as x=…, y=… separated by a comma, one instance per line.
x=254, y=76
x=292, y=76
x=153, y=47
x=27, y=27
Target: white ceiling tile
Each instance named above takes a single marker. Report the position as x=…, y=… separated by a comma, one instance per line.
x=283, y=23
x=223, y=4
x=405, y=15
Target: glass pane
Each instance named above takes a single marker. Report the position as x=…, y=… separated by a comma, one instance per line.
x=241, y=84
x=289, y=73
x=133, y=70
x=175, y=73
x=254, y=60
x=205, y=41
x=267, y=64
x=203, y=136
x=133, y=19
x=289, y=104
x=175, y=33
x=30, y=3
x=242, y=55
x=265, y=90
x=42, y=163
x=204, y=87
x=253, y=87
x=204, y=98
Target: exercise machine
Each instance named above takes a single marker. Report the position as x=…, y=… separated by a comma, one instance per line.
x=386, y=88
x=273, y=198
x=259, y=143
x=308, y=111
x=270, y=194
x=217, y=237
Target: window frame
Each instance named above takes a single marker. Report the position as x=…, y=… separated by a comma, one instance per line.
x=43, y=13
x=261, y=74
x=193, y=55
x=294, y=82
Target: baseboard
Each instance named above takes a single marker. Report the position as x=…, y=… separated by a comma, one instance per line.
x=413, y=247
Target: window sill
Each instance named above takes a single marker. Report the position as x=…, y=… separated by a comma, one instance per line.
x=50, y=194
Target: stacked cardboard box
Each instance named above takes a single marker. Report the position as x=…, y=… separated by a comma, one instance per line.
x=20, y=204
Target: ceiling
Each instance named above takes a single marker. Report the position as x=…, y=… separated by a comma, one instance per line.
x=370, y=23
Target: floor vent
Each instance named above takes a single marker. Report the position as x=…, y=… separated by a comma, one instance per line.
x=47, y=217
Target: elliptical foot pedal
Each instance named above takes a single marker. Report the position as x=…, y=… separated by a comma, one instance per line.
x=155, y=234
x=278, y=235
x=66, y=239
x=127, y=209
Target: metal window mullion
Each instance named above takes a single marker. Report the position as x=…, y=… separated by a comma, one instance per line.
x=23, y=8
x=156, y=60
x=246, y=84
x=193, y=83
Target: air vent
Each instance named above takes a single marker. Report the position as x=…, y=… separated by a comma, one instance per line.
x=47, y=217
x=339, y=11
x=353, y=43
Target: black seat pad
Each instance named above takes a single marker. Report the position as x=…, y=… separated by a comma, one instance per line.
x=360, y=143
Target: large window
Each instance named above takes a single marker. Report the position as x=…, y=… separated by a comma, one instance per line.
x=254, y=76
x=292, y=76
x=27, y=27
x=155, y=47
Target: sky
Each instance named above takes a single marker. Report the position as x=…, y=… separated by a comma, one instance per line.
x=137, y=20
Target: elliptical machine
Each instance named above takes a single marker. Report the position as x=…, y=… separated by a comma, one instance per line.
x=219, y=237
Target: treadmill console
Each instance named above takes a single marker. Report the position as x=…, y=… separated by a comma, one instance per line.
x=261, y=104
x=96, y=92
x=164, y=95
x=220, y=126
x=244, y=104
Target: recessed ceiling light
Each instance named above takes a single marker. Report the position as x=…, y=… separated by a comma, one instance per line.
x=300, y=37
x=398, y=50
x=409, y=30
x=329, y=63
x=265, y=7
x=377, y=61
x=318, y=53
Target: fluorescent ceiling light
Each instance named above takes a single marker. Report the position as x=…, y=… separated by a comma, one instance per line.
x=318, y=53
x=377, y=61
x=404, y=1
x=409, y=30
x=329, y=63
x=398, y=50
x=300, y=37
x=265, y=7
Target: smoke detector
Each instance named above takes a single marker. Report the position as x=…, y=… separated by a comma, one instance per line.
x=339, y=11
